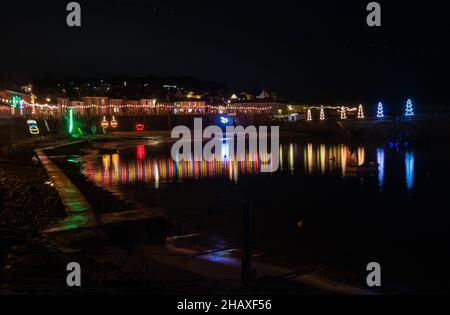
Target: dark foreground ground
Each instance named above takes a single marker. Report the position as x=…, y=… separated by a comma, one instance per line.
x=32, y=263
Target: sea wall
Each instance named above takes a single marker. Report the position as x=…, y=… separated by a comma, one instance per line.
x=16, y=128
x=430, y=129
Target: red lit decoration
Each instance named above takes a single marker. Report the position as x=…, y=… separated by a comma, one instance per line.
x=139, y=126
x=140, y=152
x=104, y=123
x=114, y=123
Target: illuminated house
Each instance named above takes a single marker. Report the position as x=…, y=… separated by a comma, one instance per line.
x=265, y=103
x=131, y=108
x=246, y=96
x=190, y=107
x=78, y=108
x=5, y=109
x=164, y=107
x=116, y=106
x=102, y=106
x=122, y=107
x=147, y=106
x=96, y=105
x=264, y=95
x=193, y=95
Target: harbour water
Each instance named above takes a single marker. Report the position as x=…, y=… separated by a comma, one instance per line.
x=329, y=205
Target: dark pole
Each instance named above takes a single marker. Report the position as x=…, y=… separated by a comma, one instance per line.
x=246, y=260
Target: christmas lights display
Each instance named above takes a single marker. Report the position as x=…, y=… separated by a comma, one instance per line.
x=360, y=112
x=139, y=126
x=116, y=108
x=409, y=108
x=380, y=113
x=16, y=100
x=33, y=127
x=17, y=105
x=113, y=122
x=343, y=115
x=224, y=120
x=104, y=124
x=308, y=115
x=70, y=120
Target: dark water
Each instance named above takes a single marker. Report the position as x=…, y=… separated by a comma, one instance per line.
x=313, y=210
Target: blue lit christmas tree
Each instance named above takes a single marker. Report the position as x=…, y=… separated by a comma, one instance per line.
x=380, y=113
x=409, y=108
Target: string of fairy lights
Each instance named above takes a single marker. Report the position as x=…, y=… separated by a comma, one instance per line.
x=343, y=110
x=21, y=103
x=170, y=106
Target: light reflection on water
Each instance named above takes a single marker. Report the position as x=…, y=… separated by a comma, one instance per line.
x=380, y=161
x=409, y=167
x=309, y=159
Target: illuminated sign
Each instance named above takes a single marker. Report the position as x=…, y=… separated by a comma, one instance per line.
x=104, y=123
x=114, y=123
x=224, y=120
x=33, y=127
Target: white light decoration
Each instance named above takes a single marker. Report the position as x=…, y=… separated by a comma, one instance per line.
x=322, y=113
x=409, y=108
x=343, y=115
x=360, y=112
x=308, y=115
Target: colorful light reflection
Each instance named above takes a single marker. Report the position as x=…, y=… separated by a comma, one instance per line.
x=319, y=159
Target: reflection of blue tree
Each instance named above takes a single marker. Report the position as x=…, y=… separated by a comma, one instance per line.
x=409, y=167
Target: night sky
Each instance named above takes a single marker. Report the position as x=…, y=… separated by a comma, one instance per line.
x=313, y=51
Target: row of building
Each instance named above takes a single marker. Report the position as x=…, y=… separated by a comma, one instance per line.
x=14, y=103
